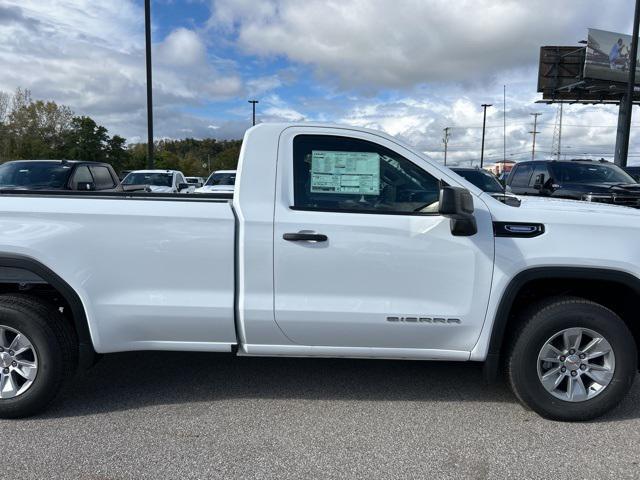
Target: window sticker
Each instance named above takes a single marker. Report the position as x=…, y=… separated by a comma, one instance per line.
x=355, y=173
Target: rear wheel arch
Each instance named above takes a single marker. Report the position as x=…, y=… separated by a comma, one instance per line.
x=23, y=272
x=569, y=276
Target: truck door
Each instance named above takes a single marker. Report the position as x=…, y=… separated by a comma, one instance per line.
x=361, y=256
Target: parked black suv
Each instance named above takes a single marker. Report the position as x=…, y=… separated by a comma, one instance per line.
x=60, y=175
x=634, y=171
x=594, y=181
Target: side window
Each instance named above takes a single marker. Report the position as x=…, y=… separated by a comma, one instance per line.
x=103, y=179
x=347, y=174
x=539, y=169
x=81, y=175
x=521, y=176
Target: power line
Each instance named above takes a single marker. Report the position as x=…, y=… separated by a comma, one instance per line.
x=484, y=122
x=445, y=140
x=534, y=132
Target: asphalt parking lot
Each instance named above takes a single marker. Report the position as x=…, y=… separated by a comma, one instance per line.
x=178, y=415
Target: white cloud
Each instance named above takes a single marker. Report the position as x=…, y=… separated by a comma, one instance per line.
x=182, y=47
x=90, y=55
x=401, y=43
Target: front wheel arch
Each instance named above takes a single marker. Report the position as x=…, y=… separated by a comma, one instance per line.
x=576, y=281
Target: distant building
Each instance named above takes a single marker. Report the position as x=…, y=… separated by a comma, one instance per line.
x=500, y=167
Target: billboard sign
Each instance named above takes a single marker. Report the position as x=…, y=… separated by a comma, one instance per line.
x=608, y=57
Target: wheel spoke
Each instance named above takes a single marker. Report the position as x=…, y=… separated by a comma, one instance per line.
x=4, y=341
x=601, y=377
x=8, y=388
x=550, y=353
x=26, y=369
x=576, y=390
x=19, y=344
x=552, y=378
x=596, y=354
x=571, y=338
x=593, y=343
x=577, y=341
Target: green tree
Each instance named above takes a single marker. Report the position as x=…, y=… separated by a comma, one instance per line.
x=117, y=154
x=86, y=140
x=35, y=129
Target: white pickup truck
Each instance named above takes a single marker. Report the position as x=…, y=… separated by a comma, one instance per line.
x=338, y=242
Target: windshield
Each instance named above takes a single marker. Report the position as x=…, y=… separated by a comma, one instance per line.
x=40, y=175
x=589, y=173
x=156, y=179
x=485, y=181
x=222, y=179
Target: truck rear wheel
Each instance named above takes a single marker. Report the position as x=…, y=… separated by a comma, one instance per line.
x=37, y=354
x=572, y=360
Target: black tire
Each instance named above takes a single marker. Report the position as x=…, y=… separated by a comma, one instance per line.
x=546, y=319
x=55, y=344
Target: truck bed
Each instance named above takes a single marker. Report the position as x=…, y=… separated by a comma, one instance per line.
x=150, y=273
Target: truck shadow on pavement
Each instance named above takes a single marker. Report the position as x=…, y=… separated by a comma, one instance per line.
x=130, y=381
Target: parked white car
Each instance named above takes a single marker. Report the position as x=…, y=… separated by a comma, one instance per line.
x=219, y=181
x=160, y=181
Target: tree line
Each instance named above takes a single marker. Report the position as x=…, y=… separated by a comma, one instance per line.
x=38, y=129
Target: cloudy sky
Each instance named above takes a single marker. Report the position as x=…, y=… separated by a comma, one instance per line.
x=409, y=67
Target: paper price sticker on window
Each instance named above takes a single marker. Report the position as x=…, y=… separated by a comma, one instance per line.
x=355, y=173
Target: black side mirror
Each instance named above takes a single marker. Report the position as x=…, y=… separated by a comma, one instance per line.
x=183, y=186
x=538, y=183
x=86, y=186
x=457, y=204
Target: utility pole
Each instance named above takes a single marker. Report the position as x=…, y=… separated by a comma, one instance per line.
x=484, y=126
x=253, y=104
x=560, y=133
x=534, y=132
x=445, y=140
x=504, y=125
x=626, y=104
x=147, y=32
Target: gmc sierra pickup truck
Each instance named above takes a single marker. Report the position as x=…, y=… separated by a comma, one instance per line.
x=337, y=242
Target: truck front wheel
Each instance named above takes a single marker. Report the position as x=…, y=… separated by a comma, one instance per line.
x=572, y=359
x=37, y=354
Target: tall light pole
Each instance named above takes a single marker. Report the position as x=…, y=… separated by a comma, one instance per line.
x=445, y=140
x=484, y=126
x=253, y=104
x=534, y=132
x=147, y=32
x=626, y=104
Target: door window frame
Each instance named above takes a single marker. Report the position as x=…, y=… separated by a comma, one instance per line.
x=405, y=154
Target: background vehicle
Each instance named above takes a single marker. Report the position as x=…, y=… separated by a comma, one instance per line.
x=487, y=182
x=596, y=181
x=195, y=181
x=338, y=242
x=219, y=181
x=60, y=175
x=634, y=171
x=159, y=181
